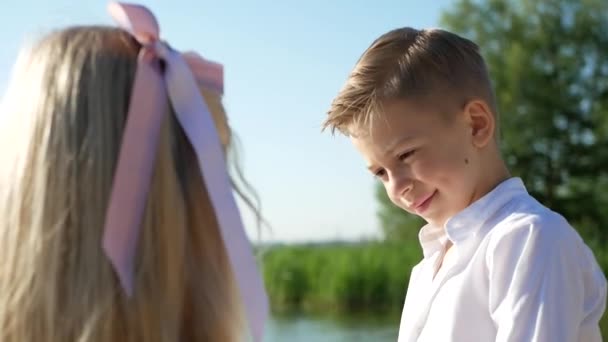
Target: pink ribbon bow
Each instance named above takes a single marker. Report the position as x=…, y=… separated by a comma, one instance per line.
x=137, y=156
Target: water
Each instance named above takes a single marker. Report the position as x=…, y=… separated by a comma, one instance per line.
x=300, y=328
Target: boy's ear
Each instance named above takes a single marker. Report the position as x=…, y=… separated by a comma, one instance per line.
x=481, y=121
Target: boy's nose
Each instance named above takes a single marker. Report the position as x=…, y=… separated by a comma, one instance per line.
x=402, y=185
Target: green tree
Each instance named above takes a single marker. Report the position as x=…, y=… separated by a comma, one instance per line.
x=549, y=63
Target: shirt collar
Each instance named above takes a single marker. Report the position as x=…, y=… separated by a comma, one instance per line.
x=469, y=221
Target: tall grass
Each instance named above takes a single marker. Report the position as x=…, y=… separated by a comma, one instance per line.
x=352, y=277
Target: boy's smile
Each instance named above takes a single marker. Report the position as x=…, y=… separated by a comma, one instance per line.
x=422, y=205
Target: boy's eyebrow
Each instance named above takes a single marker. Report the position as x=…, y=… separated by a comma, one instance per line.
x=391, y=147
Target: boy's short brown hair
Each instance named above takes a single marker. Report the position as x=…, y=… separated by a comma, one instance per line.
x=430, y=66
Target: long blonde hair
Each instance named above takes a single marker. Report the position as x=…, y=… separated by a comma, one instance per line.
x=63, y=118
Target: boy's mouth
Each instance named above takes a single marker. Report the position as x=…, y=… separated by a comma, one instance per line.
x=422, y=205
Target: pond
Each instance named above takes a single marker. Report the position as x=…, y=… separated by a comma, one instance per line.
x=301, y=328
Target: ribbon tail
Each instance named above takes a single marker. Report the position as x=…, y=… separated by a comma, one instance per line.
x=195, y=118
x=134, y=169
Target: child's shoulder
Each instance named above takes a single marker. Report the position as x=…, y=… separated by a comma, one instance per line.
x=526, y=221
x=534, y=241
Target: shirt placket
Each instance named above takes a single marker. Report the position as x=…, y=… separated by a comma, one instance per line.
x=436, y=281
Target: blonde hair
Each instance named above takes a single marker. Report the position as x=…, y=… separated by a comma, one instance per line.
x=431, y=67
x=63, y=120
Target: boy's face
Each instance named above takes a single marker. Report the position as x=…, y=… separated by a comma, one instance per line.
x=428, y=160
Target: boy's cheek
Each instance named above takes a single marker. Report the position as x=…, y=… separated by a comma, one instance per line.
x=442, y=166
x=426, y=170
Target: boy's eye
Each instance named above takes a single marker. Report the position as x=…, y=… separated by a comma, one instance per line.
x=406, y=155
x=380, y=173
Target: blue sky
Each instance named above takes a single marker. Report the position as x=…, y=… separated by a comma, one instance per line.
x=284, y=62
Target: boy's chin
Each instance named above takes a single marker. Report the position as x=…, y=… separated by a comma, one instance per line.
x=435, y=219
x=430, y=221
x=428, y=218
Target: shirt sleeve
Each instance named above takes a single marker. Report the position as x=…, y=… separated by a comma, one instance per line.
x=539, y=282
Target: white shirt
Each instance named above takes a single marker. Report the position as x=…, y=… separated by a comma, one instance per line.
x=517, y=272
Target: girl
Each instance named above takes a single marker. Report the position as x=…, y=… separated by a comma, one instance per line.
x=70, y=124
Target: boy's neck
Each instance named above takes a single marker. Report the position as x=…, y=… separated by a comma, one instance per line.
x=494, y=173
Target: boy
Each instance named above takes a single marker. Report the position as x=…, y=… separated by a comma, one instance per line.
x=498, y=266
